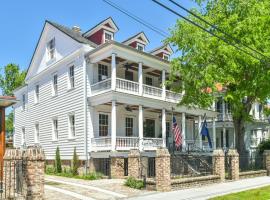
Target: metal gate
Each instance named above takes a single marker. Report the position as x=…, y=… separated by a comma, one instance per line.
x=151, y=172
x=12, y=179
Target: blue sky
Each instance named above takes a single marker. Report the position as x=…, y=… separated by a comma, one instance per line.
x=22, y=21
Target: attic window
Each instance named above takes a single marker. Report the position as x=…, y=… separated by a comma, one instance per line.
x=140, y=47
x=165, y=57
x=108, y=36
x=51, y=49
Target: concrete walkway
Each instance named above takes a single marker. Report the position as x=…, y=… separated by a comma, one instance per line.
x=207, y=192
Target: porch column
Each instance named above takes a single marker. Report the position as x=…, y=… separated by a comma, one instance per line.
x=140, y=127
x=214, y=133
x=163, y=84
x=199, y=131
x=224, y=137
x=113, y=122
x=184, y=129
x=140, y=78
x=164, y=127
x=113, y=73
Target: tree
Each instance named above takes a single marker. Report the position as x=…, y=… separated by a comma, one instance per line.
x=11, y=79
x=207, y=61
x=58, y=164
x=75, y=163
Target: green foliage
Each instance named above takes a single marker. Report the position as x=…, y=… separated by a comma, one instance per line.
x=58, y=164
x=9, y=122
x=49, y=169
x=264, y=145
x=11, y=78
x=206, y=60
x=75, y=163
x=134, y=183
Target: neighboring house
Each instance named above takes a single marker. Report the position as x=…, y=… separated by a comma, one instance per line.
x=98, y=95
x=255, y=131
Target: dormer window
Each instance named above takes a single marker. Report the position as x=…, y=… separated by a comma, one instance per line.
x=165, y=57
x=107, y=36
x=51, y=49
x=140, y=47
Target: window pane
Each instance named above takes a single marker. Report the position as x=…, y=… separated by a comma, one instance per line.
x=103, y=125
x=129, y=126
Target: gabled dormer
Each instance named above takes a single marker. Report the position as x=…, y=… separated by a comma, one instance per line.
x=102, y=32
x=138, y=41
x=163, y=52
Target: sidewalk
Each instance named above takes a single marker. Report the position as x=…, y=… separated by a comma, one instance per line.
x=206, y=192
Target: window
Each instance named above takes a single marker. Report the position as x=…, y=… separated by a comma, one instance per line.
x=103, y=125
x=129, y=126
x=51, y=49
x=140, y=47
x=102, y=72
x=148, y=81
x=72, y=133
x=55, y=84
x=165, y=57
x=37, y=133
x=108, y=36
x=129, y=75
x=55, y=129
x=168, y=129
x=23, y=136
x=149, y=128
x=23, y=101
x=37, y=94
x=71, y=77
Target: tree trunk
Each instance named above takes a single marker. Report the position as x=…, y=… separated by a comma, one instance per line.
x=239, y=127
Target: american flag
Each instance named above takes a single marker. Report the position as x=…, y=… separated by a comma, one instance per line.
x=177, y=134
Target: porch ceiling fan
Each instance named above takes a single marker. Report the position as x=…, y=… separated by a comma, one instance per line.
x=128, y=108
x=127, y=66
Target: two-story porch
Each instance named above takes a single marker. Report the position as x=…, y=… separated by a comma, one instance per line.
x=130, y=104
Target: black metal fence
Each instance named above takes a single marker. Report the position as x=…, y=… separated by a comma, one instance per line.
x=151, y=168
x=103, y=165
x=12, y=179
x=188, y=165
x=251, y=162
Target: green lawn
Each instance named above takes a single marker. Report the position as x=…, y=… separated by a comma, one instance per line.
x=256, y=194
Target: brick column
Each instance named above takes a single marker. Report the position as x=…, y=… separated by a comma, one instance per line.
x=12, y=163
x=219, y=164
x=35, y=164
x=163, y=170
x=117, y=167
x=266, y=158
x=233, y=157
x=134, y=163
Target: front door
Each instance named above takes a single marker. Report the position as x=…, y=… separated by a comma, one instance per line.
x=149, y=128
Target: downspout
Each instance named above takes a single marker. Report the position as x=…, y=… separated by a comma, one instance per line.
x=85, y=113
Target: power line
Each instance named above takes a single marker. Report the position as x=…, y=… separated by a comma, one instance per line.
x=204, y=29
x=136, y=18
x=218, y=29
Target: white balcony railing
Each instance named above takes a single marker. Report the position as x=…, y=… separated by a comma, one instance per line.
x=101, y=143
x=126, y=143
x=152, y=143
x=127, y=85
x=101, y=86
x=132, y=87
x=152, y=91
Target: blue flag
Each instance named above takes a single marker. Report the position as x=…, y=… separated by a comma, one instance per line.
x=205, y=132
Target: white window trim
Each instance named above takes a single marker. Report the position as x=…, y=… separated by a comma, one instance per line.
x=23, y=136
x=49, y=60
x=36, y=100
x=141, y=45
x=107, y=32
x=69, y=77
x=166, y=55
x=109, y=123
x=23, y=102
x=37, y=133
x=70, y=136
x=133, y=128
x=55, y=93
x=53, y=129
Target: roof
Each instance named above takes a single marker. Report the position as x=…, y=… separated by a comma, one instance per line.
x=127, y=47
x=6, y=101
x=162, y=47
x=135, y=36
x=73, y=34
x=109, y=19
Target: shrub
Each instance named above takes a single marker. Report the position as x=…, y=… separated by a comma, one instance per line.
x=49, y=169
x=91, y=176
x=58, y=165
x=75, y=163
x=134, y=183
x=264, y=145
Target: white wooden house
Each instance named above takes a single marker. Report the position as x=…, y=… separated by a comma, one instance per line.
x=104, y=97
